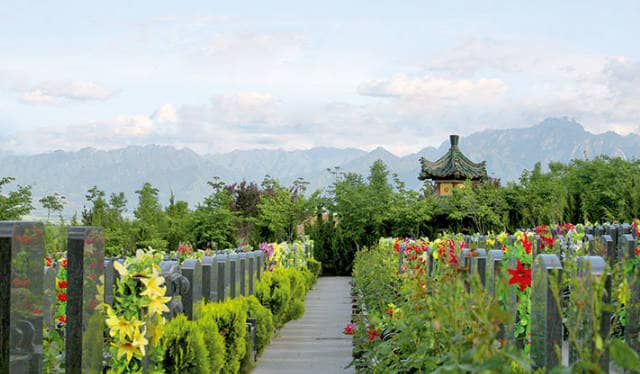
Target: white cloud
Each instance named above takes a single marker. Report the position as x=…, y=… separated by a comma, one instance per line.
x=57, y=92
x=435, y=88
x=166, y=114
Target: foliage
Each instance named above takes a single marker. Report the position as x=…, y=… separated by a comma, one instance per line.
x=135, y=321
x=274, y=291
x=213, y=341
x=264, y=319
x=231, y=317
x=15, y=204
x=185, y=350
x=315, y=267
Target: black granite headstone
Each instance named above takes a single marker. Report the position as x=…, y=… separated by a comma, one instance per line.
x=176, y=284
x=244, y=274
x=221, y=270
x=251, y=258
x=85, y=320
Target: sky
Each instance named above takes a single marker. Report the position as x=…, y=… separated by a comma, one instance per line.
x=217, y=76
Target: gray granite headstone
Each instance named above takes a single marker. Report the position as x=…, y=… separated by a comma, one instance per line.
x=233, y=275
x=546, y=324
x=479, y=265
x=21, y=296
x=85, y=320
x=589, y=270
x=192, y=270
x=632, y=329
x=221, y=284
x=109, y=280
x=176, y=284
x=494, y=269
x=244, y=276
x=208, y=278
x=251, y=258
x=609, y=249
x=259, y=265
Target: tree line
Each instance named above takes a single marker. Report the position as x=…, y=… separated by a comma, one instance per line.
x=353, y=212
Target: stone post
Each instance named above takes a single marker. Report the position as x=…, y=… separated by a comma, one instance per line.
x=208, y=278
x=192, y=270
x=21, y=296
x=85, y=320
x=221, y=269
x=632, y=330
x=546, y=322
x=479, y=265
x=233, y=275
x=494, y=269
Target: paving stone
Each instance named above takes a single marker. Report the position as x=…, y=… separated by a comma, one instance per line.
x=314, y=343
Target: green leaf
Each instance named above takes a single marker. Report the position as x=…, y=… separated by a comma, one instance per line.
x=623, y=355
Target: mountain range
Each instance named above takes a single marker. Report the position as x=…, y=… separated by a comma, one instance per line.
x=507, y=152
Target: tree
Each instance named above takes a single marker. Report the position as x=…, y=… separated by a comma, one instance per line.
x=53, y=202
x=151, y=222
x=96, y=215
x=15, y=204
x=213, y=223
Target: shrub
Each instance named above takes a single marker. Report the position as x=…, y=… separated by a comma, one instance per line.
x=231, y=319
x=315, y=267
x=295, y=309
x=213, y=341
x=264, y=328
x=184, y=347
x=274, y=292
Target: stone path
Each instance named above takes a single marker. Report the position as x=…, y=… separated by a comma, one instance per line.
x=314, y=343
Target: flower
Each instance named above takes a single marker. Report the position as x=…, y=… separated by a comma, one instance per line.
x=373, y=334
x=349, y=329
x=125, y=348
x=139, y=341
x=526, y=244
x=48, y=261
x=62, y=319
x=118, y=326
x=62, y=284
x=62, y=296
x=521, y=276
x=157, y=304
x=154, y=286
x=64, y=263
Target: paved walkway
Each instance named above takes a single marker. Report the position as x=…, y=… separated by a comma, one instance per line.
x=314, y=343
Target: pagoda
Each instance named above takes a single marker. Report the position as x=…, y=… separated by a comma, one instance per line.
x=452, y=170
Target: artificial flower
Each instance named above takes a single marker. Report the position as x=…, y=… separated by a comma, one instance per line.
x=349, y=329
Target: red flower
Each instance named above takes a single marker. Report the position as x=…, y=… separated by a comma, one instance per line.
x=521, y=276
x=62, y=319
x=547, y=241
x=62, y=284
x=48, y=261
x=638, y=251
x=504, y=248
x=64, y=263
x=373, y=334
x=389, y=312
x=62, y=296
x=349, y=329
x=527, y=244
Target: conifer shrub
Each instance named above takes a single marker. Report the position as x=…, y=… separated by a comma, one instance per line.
x=231, y=318
x=274, y=291
x=213, y=341
x=184, y=347
x=264, y=318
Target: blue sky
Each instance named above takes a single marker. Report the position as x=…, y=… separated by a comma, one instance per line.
x=218, y=76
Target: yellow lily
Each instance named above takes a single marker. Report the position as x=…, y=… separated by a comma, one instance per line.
x=121, y=326
x=154, y=286
x=158, y=304
x=125, y=348
x=140, y=341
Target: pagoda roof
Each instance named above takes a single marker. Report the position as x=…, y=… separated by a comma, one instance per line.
x=453, y=165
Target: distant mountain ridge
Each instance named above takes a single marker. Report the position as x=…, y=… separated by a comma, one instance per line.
x=507, y=153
